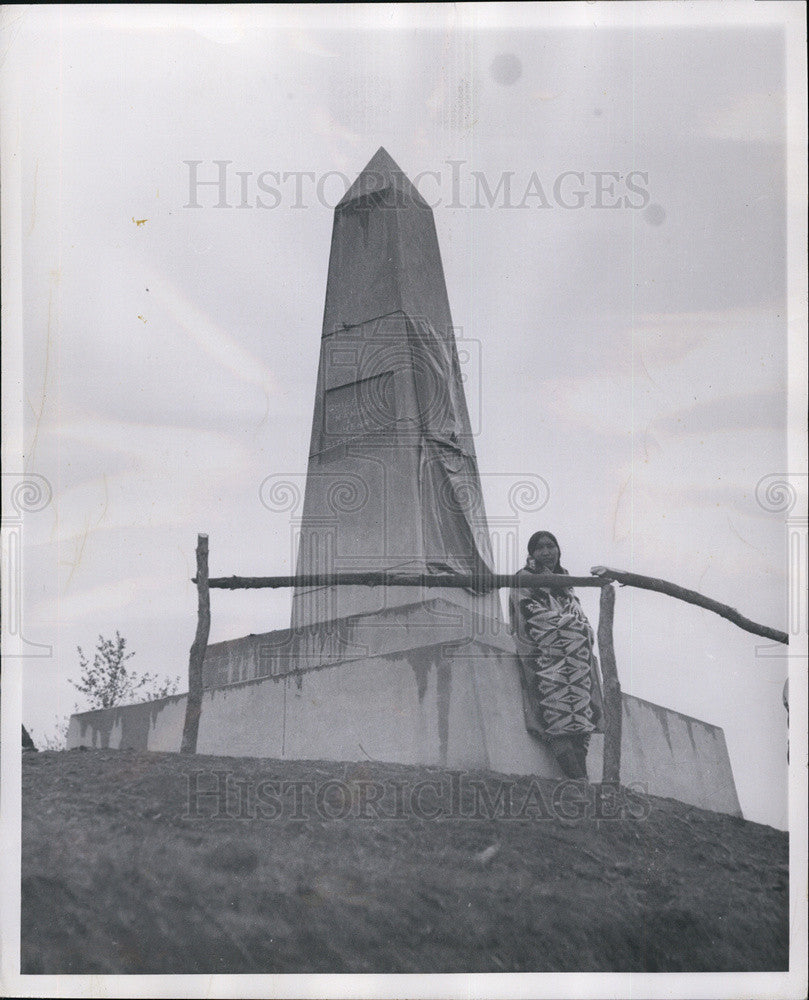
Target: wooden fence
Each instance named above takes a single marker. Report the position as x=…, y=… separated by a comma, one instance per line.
x=602, y=577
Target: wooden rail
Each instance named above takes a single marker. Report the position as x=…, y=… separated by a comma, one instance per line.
x=602, y=578
x=479, y=582
x=690, y=597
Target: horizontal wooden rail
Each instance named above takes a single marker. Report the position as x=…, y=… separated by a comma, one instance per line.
x=468, y=581
x=602, y=577
x=482, y=582
x=690, y=597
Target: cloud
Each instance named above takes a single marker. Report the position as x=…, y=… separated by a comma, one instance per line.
x=143, y=474
x=733, y=498
x=675, y=373
x=220, y=346
x=304, y=41
x=152, y=445
x=751, y=118
x=684, y=533
x=729, y=413
x=666, y=338
x=151, y=595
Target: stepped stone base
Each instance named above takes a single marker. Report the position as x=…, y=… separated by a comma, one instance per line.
x=390, y=694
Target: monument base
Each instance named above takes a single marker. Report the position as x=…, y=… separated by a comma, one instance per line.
x=456, y=704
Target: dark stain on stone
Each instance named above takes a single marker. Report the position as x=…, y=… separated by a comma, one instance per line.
x=106, y=720
x=664, y=724
x=690, y=732
x=421, y=660
x=444, y=692
x=136, y=721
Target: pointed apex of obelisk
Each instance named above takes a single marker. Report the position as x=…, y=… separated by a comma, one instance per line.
x=381, y=173
x=383, y=162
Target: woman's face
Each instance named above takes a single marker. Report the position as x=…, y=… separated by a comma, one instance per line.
x=546, y=553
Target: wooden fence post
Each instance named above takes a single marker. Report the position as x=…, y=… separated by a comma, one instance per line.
x=193, y=706
x=613, y=707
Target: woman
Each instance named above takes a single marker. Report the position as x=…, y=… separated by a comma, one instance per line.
x=561, y=685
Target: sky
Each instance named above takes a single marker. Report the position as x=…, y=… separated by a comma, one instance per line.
x=627, y=347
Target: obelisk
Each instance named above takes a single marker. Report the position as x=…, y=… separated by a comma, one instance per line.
x=402, y=674
x=392, y=480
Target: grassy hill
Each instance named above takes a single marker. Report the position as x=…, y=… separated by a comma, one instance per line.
x=327, y=867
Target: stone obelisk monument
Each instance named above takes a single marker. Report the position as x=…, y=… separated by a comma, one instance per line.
x=392, y=479
x=404, y=674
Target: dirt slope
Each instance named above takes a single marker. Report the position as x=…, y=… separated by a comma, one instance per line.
x=367, y=870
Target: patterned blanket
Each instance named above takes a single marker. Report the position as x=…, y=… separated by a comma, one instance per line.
x=560, y=672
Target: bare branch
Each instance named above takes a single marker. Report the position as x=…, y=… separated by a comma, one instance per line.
x=690, y=597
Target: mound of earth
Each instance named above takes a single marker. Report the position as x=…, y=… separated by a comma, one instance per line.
x=157, y=863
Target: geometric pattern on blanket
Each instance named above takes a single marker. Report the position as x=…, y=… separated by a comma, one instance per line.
x=562, y=668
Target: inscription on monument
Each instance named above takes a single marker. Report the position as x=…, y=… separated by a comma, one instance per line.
x=360, y=407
